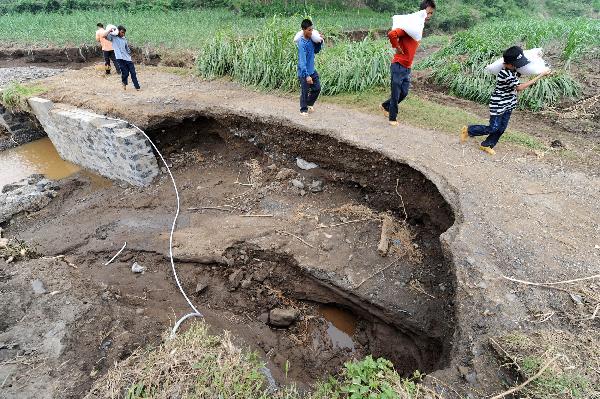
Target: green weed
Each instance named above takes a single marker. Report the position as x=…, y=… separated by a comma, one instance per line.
x=14, y=97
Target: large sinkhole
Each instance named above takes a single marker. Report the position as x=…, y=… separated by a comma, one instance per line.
x=262, y=235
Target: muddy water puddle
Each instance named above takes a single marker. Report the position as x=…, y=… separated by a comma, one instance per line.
x=341, y=326
x=40, y=157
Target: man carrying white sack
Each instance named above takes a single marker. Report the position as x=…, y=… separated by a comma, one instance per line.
x=503, y=100
x=310, y=85
x=405, y=47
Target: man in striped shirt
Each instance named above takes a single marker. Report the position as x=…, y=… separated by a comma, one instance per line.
x=503, y=100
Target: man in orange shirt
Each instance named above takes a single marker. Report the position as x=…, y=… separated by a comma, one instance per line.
x=405, y=47
x=107, y=49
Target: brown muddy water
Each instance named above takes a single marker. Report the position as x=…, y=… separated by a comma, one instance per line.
x=40, y=157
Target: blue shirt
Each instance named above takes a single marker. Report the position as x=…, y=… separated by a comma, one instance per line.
x=121, y=47
x=306, y=56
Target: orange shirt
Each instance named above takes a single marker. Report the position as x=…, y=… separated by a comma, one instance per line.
x=399, y=39
x=106, y=45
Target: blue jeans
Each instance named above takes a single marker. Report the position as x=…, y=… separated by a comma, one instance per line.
x=127, y=68
x=497, y=126
x=309, y=93
x=400, y=86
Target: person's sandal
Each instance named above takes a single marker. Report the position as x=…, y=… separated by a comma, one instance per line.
x=489, y=150
x=393, y=123
x=464, y=134
x=385, y=111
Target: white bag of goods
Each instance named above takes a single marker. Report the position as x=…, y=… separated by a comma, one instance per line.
x=316, y=36
x=112, y=29
x=412, y=24
x=536, y=64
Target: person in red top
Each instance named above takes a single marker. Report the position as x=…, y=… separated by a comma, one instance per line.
x=405, y=47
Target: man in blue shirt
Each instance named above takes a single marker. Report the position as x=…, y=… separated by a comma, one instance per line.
x=307, y=75
x=123, y=56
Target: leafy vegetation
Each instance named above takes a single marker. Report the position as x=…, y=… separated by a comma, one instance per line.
x=14, y=97
x=459, y=66
x=269, y=60
x=196, y=364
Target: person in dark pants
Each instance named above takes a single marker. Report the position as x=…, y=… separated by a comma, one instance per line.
x=310, y=84
x=107, y=49
x=405, y=47
x=503, y=100
x=123, y=55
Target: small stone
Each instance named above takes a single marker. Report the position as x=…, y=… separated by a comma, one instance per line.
x=283, y=317
x=139, y=311
x=285, y=174
x=200, y=287
x=38, y=287
x=316, y=186
x=577, y=299
x=3, y=242
x=557, y=144
x=261, y=275
x=302, y=193
x=297, y=183
x=235, y=278
x=246, y=283
x=305, y=165
x=137, y=268
x=470, y=261
x=126, y=258
x=471, y=377
x=264, y=317
x=10, y=259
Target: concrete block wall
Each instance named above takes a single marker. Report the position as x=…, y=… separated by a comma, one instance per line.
x=111, y=148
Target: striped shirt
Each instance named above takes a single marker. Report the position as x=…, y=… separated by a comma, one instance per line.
x=504, y=96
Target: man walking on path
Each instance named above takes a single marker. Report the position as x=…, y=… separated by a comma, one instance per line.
x=123, y=55
x=310, y=84
x=503, y=100
x=107, y=49
x=405, y=47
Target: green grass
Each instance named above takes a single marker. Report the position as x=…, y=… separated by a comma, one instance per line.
x=184, y=29
x=196, y=364
x=459, y=66
x=426, y=114
x=14, y=96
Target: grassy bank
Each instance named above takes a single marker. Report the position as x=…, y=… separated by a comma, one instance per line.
x=196, y=364
x=459, y=66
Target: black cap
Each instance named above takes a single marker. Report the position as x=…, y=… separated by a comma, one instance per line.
x=515, y=56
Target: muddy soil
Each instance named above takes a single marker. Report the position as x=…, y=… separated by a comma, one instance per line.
x=249, y=240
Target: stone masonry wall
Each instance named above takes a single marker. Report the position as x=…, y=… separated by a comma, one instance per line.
x=17, y=128
x=110, y=148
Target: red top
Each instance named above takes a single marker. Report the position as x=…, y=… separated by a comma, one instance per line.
x=400, y=40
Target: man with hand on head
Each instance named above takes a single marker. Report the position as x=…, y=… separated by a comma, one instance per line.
x=123, y=55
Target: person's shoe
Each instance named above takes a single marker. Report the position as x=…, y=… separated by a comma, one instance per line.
x=311, y=108
x=385, y=111
x=394, y=123
x=489, y=150
x=303, y=113
x=124, y=87
x=138, y=88
x=464, y=134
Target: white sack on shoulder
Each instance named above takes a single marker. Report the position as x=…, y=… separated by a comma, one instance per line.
x=413, y=24
x=112, y=29
x=536, y=65
x=316, y=36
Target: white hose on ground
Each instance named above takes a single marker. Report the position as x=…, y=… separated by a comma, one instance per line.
x=195, y=312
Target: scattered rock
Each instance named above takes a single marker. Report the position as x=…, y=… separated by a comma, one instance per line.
x=285, y=174
x=235, y=278
x=30, y=194
x=201, y=287
x=302, y=193
x=577, y=299
x=10, y=259
x=246, y=283
x=305, y=165
x=264, y=317
x=3, y=242
x=297, y=183
x=137, y=268
x=471, y=378
x=126, y=258
x=38, y=287
x=261, y=275
x=316, y=186
x=283, y=317
x=557, y=144
x=139, y=311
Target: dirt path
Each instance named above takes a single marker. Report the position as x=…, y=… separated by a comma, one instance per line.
x=514, y=215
